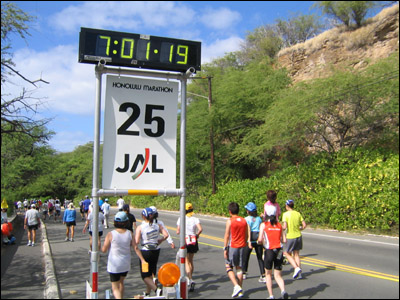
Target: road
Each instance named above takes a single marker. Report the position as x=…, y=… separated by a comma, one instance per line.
x=335, y=265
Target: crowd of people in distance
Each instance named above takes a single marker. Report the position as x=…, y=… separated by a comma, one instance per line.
x=275, y=243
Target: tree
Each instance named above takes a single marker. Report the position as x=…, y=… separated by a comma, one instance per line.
x=346, y=110
x=17, y=113
x=263, y=42
x=347, y=11
x=298, y=29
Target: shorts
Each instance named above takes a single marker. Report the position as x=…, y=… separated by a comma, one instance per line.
x=192, y=248
x=294, y=244
x=33, y=227
x=151, y=256
x=58, y=212
x=114, y=277
x=73, y=223
x=273, y=257
x=100, y=233
x=235, y=257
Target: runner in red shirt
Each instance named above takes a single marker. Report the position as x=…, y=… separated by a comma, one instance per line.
x=235, y=240
x=271, y=237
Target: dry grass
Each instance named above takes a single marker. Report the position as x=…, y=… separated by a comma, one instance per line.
x=351, y=39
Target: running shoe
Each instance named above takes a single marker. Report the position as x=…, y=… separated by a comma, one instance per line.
x=244, y=276
x=66, y=239
x=296, y=273
x=236, y=291
x=262, y=279
x=191, y=288
x=29, y=243
x=285, y=295
x=158, y=292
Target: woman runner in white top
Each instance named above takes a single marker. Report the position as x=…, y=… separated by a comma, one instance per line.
x=148, y=234
x=119, y=242
x=193, y=231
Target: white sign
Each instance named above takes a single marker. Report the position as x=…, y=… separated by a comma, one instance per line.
x=140, y=118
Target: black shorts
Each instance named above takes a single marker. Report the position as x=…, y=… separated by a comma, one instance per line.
x=273, y=257
x=193, y=248
x=100, y=233
x=33, y=227
x=73, y=223
x=151, y=256
x=114, y=277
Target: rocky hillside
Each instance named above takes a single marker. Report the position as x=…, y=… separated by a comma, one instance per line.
x=344, y=48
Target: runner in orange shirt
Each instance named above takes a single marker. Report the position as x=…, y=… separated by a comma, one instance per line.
x=271, y=237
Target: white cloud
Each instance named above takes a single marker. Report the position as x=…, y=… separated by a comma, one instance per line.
x=72, y=85
x=220, y=19
x=123, y=14
x=220, y=47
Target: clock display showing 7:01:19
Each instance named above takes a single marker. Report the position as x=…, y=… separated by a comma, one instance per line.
x=135, y=50
x=125, y=48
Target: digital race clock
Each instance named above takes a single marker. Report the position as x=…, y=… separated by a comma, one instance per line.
x=138, y=50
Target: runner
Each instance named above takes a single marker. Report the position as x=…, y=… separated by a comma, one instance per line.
x=89, y=223
x=294, y=223
x=254, y=221
x=147, y=234
x=193, y=231
x=69, y=219
x=106, y=212
x=271, y=237
x=235, y=239
x=119, y=242
x=32, y=222
x=120, y=203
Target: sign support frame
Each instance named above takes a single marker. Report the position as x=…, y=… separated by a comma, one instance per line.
x=101, y=69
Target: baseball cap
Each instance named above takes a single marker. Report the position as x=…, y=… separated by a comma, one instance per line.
x=290, y=201
x=189, y=206
x=154, y=209
x=125, y=207
x=147, y=212
x=250, y=206
x=33, y=206
x=121, y=216
x=270, y=210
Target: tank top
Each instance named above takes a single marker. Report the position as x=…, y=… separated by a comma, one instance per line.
x=272, y=236
x=150, y=234
x=119, y=256
x=238, y=232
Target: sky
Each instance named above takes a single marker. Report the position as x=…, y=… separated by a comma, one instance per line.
x=51, y=51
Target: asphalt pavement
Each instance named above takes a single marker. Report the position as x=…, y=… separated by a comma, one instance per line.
x=335, y=265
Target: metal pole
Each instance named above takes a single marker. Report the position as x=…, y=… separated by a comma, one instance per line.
x=182, y=251
x=96, y=161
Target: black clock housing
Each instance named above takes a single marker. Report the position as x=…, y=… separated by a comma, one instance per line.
x=138, y=50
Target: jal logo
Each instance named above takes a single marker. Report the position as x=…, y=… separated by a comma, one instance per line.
x=140, y=160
